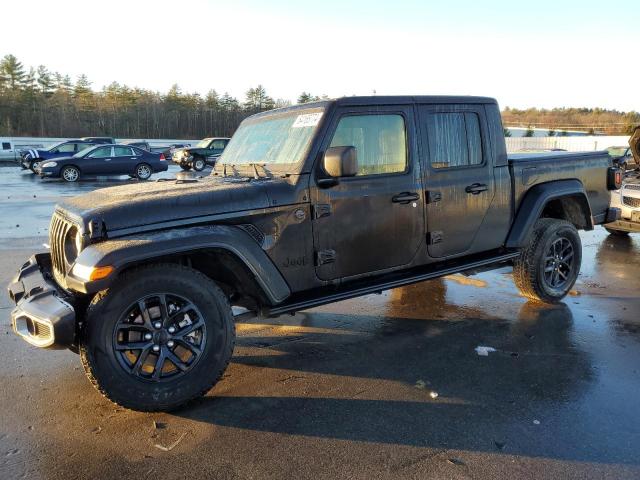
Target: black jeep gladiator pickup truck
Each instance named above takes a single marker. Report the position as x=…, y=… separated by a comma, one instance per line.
x=307, y=205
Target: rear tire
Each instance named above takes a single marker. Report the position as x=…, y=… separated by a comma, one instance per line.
x=163, y=379
x=548, y=266
x=70, y=174
x=617, y=233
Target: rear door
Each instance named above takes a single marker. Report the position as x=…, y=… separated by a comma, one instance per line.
x=375, y=220
x=124, y=160
x=459, y=176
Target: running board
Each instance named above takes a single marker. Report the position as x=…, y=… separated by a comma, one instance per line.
x=345, y=292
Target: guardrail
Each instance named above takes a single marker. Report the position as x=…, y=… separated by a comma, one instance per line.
x=571, y=144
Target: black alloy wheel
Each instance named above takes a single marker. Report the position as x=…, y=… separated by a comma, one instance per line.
x=160, y=337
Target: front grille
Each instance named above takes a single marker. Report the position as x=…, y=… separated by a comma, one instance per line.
x=58, y=230
x=631, y=202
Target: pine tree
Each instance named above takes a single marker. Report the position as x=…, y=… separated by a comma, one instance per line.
x=257, y=99
x=212, y=99
x=13, y=70
x=45, y=82
x=551, y=133
x=82, y=86
x=228, y=103
x=306, y=97
x=529, y=132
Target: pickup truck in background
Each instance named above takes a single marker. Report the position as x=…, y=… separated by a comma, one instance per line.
x=32, y=157
x=8, y=151
x=307, y=205
x=206, y=151
x=627, y=199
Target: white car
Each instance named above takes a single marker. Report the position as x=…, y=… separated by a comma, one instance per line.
x=627, y=199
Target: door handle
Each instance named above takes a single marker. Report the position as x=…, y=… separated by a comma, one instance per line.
x=405, y=197
x=107, y=159
x=476, y=188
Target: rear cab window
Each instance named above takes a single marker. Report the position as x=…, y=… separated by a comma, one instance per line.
x=454, y=139
x=6, y=146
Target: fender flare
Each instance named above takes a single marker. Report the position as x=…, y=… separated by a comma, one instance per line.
x=534, y=202
x=124, y=252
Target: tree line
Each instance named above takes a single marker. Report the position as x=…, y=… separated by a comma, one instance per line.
x=558, y=121
x=38, y=102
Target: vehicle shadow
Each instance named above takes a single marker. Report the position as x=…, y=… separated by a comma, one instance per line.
x=617, y=265
x=483, y=403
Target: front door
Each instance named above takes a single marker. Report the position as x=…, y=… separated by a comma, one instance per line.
x=98, y=161
x=375, y=220
x=459, y=176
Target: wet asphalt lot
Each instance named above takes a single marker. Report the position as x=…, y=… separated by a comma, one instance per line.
x=349, y=390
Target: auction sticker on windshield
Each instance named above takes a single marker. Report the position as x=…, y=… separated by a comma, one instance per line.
x=307, y=120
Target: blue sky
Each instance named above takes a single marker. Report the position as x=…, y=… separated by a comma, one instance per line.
x=536, y=53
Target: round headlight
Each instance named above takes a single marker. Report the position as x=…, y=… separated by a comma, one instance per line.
x=72, y=245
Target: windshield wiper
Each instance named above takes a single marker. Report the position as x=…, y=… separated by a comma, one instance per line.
x=256, y=175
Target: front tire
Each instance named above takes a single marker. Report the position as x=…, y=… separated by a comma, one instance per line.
x=161, y=337
x=548, y=266
x=70, y=174
x=199, y=164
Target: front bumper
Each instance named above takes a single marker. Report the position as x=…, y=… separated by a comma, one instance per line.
x=47, y=172
x=624, y=226
x=44, y=315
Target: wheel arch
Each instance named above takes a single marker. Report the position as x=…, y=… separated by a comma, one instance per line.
x=226, y=254
x=562, y=199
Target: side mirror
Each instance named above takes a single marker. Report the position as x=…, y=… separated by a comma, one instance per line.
x=340, y=162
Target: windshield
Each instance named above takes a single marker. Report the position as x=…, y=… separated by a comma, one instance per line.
x=84, y=150
x=204, y=143
x=617, y=151
x=55, y=145
x=279, y=138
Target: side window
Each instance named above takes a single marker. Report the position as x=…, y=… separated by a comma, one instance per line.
x=102, y=152
x=123, y=152
x=67, y=148
x=6, y=146
x=380, y=142
x=218, y=144
x=454, y=139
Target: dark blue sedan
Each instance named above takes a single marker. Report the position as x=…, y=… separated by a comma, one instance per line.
x=105, y=160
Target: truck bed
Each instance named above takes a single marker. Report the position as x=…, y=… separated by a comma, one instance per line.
x=529, y=169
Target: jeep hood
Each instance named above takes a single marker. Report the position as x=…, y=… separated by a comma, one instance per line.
x=149, y=203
